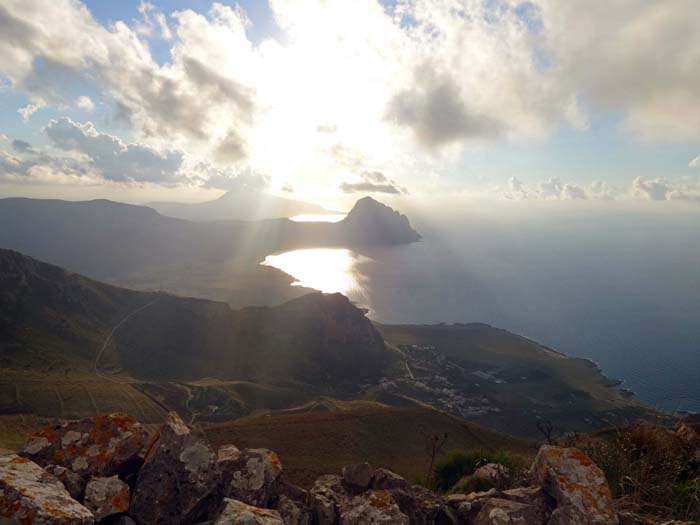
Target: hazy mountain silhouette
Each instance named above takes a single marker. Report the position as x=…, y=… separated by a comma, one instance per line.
x=105, y=239
x=237, y=205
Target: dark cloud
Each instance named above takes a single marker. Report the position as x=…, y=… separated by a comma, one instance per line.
x=22, y=146
x=372, y=182
x=437, y=113
x=114, y=159
x=368, y=187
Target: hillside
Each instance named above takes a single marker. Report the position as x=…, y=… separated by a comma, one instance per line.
x=505, y=381
x=71, y=347
x=57, y=357
x=237, y=205
x=318, y=443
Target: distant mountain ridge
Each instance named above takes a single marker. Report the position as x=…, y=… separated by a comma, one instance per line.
x=237, y=205
x=104, y=239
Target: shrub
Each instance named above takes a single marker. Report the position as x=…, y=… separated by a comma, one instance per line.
x=458, y=464
x=472, y=483
x=649, y=471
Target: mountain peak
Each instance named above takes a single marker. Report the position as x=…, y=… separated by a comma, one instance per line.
x=376, y=222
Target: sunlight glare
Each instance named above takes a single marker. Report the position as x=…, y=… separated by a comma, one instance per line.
x=318, y=217
x=328, y=270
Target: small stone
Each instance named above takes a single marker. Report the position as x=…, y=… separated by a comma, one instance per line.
x=238, y=513
x=106, y=496
x=358, y=477
x=497, y=511
x=29, y=494
x=73, y=482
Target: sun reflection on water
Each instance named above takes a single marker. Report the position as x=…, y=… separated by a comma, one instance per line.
x=329, y=270
x=318, y=217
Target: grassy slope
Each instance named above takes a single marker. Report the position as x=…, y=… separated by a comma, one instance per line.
x=315, y=443
x=539, y=382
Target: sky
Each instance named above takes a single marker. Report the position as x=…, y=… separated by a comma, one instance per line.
x=328, y=100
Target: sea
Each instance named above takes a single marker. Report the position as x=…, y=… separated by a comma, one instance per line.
x=616, y=283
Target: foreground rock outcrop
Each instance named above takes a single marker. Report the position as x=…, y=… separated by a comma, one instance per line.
x=106, y=470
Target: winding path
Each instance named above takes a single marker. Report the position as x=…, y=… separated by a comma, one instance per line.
x=109, y=338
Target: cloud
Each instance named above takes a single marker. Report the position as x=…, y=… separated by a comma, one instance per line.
x=22, y=146
x=695, y=163
x=372, y=182
x=28, y=110
x=85, y=102
x=597, y=53
x=198, y=98
x=659, y=189
x=653, y=190
x=288, y=188
x=114, y=159
x=230, y=180
x=435, y=110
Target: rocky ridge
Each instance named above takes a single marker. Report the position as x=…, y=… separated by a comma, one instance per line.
x=103, y=470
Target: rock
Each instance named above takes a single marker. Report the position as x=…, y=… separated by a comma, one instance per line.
x=29, y=494
x=97, y=446
x=292, y=503
x=179, y=478
x=577, y=484
x=248, y=475
x=386, y=479
x=534, y=496
x=292, y=512
x=106, y=496
x=326, y=497
x=688, y=435
x=375, y=507
x=73, y=482
x=497, y=511
x=492, y=471
x=357, y=478
x=238, y=513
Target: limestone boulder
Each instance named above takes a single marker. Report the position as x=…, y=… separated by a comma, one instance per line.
x=326, y=497
x=249, y=475
x=498, y=511
x=293, y=512
x=358, y=478
x=373, y=506
x=73, y=482
x=29, y=494
x=97, y=446
x=106, y=496
x=238, y=513
x=179, y=480
x=492, y=471
x=577, y=485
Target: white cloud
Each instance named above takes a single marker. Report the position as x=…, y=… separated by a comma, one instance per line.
x=377, y=80
x=28, y=110
x=85, y=102
x=653, y=190
x=695, y=163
